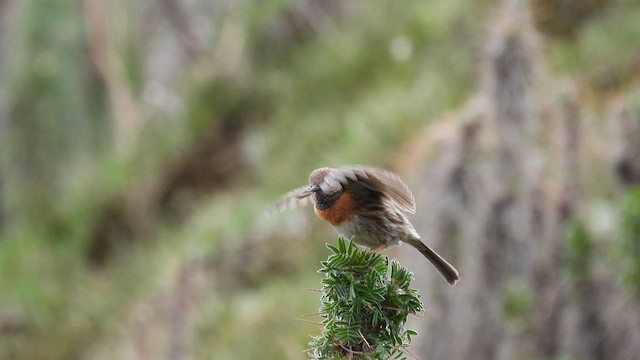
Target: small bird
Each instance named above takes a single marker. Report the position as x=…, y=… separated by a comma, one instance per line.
x=365, y=204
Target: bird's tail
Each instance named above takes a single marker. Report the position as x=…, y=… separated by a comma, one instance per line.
x=447, y=270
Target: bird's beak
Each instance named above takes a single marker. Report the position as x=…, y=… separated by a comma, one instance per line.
x=312, y=189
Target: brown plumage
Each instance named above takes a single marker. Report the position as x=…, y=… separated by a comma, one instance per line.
x=365, y=204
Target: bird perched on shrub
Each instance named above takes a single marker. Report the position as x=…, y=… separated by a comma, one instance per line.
x=365, y=204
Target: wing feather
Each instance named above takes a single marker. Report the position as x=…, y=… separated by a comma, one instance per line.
x=290, y=200
x=380, y=180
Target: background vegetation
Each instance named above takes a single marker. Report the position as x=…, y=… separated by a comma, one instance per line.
x=141, y=141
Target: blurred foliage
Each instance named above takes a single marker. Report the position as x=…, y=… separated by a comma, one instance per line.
x=353, y=90
x=630, y=232
x=579, y=253
x=564, y=17
x=52, y=89
x=603, y=54
x=517, y=306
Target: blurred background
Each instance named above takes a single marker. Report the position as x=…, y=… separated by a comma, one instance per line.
x=141, y=141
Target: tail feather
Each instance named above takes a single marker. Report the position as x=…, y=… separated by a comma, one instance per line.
x=447, y=270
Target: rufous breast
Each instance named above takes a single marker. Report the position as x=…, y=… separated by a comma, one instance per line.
x=342, y=210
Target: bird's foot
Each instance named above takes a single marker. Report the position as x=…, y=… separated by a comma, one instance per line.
x=378, y=249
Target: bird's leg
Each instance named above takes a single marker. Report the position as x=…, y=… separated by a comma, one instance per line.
x=378, y=249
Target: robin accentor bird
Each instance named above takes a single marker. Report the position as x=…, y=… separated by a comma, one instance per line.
x=366, y=204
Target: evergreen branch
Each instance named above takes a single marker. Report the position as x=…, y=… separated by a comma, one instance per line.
x=366, y=300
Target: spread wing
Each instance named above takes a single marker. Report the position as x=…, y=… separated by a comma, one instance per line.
x=381, y=180
x=294, y=198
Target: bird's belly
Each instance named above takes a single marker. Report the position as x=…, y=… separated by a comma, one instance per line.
x=367, y=232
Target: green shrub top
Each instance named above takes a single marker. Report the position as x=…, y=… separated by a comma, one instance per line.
x=366, y=300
